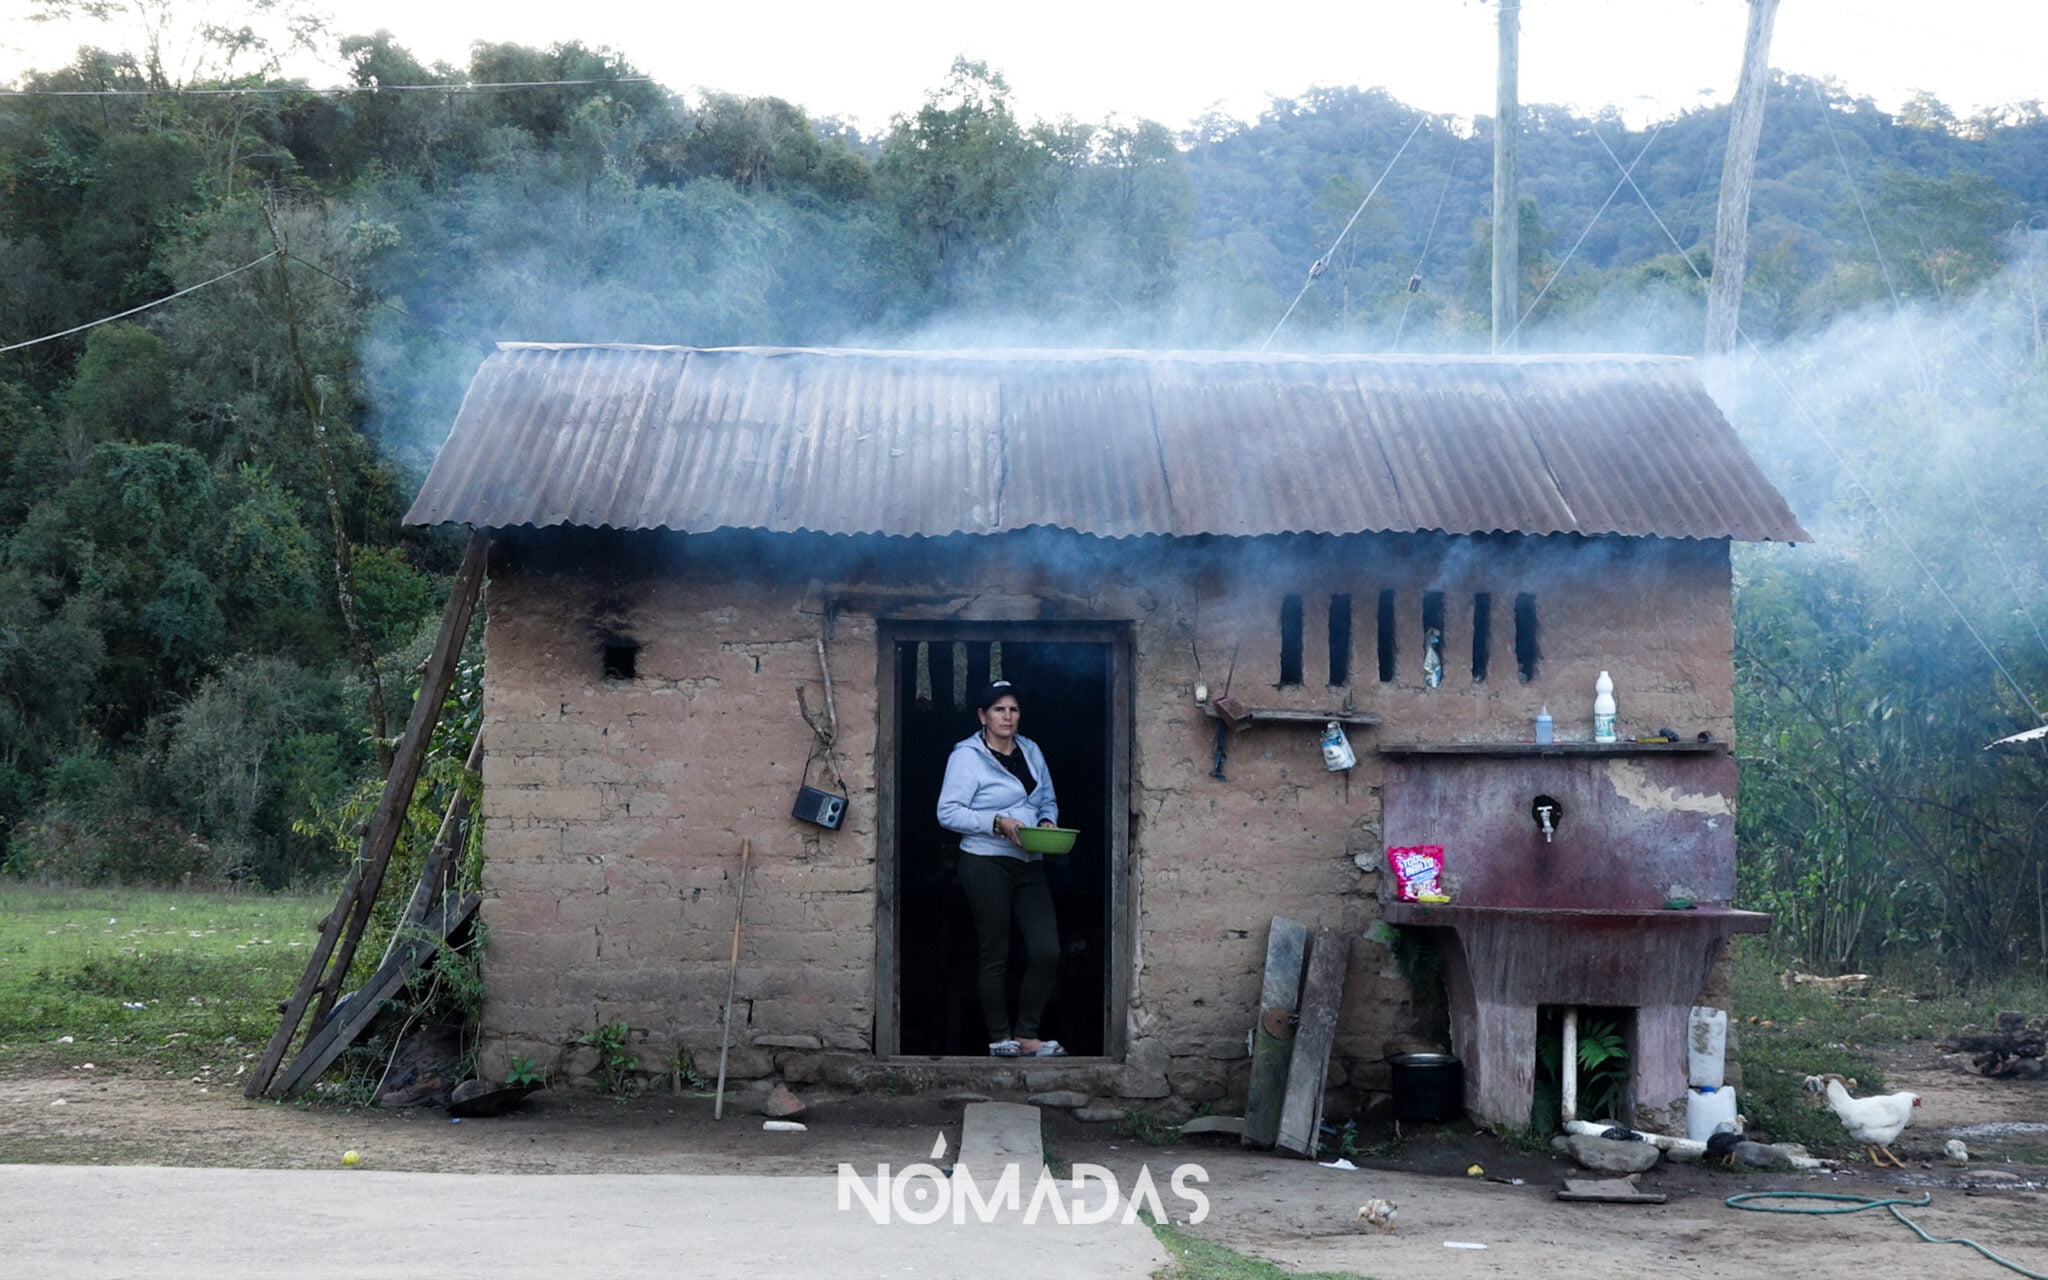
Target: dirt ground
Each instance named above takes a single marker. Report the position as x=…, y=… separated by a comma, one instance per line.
x=1291, y=1212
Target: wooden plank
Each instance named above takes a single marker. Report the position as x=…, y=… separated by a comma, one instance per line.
x=1273, y=1034
x=388, y=819
x=293, y=1011
x=327, y=1043
x=1301, y=1115
x=1292, y=715
x=366, y=875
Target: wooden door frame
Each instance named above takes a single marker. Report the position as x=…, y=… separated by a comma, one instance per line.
x=1121, y=936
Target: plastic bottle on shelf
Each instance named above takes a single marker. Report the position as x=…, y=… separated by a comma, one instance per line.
x=1546, y=730
x=1603, y=708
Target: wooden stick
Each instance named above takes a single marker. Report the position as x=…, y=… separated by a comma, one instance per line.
x=366, y=875
x=732, y=981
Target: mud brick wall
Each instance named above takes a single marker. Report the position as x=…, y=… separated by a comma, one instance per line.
x=614, y=808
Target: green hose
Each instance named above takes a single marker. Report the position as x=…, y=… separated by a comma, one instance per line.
x=1857, y=1204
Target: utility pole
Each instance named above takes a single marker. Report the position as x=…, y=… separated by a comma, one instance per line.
x=1738, y=169
x=1507, y=123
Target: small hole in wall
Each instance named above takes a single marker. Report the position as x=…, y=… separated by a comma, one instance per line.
x=621, y=659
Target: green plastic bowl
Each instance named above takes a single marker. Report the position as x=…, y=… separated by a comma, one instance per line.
x=1051, y=841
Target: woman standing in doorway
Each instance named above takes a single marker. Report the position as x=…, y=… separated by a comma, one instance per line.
x=996, y=781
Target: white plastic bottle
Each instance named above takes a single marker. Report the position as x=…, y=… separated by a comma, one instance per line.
x=1603, y=709
x=1546, y=730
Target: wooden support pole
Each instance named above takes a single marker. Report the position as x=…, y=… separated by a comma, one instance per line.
x=1507, y=209
x=1738, y=170
x=343, y=929
x=339, y=1032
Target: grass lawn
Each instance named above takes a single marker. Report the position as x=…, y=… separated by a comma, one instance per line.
x=1787, y=1035
x=118, y=977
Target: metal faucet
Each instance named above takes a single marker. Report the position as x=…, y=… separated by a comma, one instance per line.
x=1543, y=816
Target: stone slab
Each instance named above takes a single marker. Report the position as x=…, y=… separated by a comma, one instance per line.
x=994, y=1135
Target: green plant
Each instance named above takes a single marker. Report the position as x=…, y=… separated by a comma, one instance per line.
x=1603, y=1067
x=1338, y=1142
x=615, y=1059
x=522, y=1072
x=683, y=1075
x=1147, y=1129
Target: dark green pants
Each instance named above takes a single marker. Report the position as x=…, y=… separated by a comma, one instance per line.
x=999, y=891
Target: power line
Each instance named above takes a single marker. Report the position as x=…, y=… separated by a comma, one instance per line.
x=1316, y=268
x=94, y=324
x=1820, y=433
x=1590, y=224
x=488, y=86
x=1429, y=237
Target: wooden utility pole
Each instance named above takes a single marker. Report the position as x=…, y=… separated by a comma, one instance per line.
x=1507, y=214
x=1738, y=169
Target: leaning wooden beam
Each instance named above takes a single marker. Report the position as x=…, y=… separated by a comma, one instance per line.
x=340, y=1031
x=366, y=877
x=1301, y=1116
x=1273, y=1036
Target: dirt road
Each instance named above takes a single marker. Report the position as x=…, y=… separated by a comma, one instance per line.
x=1291, y=1212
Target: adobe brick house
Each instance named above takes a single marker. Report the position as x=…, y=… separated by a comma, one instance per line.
x=1431, y=548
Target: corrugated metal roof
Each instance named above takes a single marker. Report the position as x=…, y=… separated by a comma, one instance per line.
x=1110, y=443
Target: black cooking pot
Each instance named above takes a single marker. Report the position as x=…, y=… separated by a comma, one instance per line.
x=1428, y=1087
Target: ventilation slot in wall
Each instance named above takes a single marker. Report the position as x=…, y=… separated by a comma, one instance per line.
x=1290, y=640
x=1482, y=635
x=1432, y=639
x=621, y=659
x=1386, y=636
x=1340, y=640
x=1527, y=651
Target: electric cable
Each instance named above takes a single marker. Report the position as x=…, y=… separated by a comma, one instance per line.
x=1316, y=268
x=1820, y=433
x=1422, y=259
x=93, y=324
x=1920, y=371
x=1857, y=1204
x=1590, y=224
x=487, y=86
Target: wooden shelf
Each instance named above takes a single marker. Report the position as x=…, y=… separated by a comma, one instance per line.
x=1291, y=715
x=1714, y=748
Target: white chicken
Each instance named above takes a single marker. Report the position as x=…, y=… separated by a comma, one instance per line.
x=1874, y=1122
x=1380, y=1213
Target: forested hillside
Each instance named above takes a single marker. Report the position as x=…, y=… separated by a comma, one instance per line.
x=210, y=616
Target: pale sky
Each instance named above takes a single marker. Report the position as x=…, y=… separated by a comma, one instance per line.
x=1173, y=62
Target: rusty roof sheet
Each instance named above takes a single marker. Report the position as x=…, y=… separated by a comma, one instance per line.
x=1109, y=443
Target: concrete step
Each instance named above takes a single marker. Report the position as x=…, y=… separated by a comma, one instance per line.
x=994, y=1135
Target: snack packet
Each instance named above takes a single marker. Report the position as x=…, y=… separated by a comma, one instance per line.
x=1418, y=872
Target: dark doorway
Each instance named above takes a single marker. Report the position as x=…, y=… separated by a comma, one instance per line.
x=1068, y=692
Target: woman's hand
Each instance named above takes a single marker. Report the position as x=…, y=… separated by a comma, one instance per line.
x=1006, y=827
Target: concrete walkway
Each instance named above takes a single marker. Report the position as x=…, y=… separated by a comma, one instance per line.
x=60, y=1221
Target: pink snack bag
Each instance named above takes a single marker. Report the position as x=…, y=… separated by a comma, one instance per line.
x=1418, y=872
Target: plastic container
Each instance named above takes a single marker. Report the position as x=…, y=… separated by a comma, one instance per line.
x=1706, y=1047
x=1337, y=753
x=1546, y=729
x=1706, y=1110
x=1429, y=1088
x=1603, y=708
x=1052, y=842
